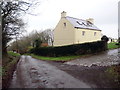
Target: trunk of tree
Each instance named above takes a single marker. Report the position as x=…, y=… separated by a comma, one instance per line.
x=4, y=44
x=4, y=48
x=4, y=52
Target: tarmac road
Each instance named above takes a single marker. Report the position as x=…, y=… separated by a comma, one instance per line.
x=33, y=73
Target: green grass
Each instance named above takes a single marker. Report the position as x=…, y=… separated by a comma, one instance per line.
x=62, y=58
x=9, y=61
x=112, y=45
x=13, y=54
x=9, y=66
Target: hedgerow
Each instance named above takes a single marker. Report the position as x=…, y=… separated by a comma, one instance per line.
x=76, y=49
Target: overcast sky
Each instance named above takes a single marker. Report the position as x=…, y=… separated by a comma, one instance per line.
x=104, y=13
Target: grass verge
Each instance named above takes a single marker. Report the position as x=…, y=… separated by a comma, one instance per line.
x=114, y=73
x=62, y=58
x=8, y=67
x=113, y=45
x=13, y=54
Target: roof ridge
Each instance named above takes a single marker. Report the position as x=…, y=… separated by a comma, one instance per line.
x=75, y=18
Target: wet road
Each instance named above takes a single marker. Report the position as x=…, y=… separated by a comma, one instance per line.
x=107, y=58
x=33, y=73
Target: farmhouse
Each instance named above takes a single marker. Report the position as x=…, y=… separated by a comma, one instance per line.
x=71, y=30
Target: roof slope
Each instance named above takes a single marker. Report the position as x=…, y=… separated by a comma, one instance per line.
x=79, y=23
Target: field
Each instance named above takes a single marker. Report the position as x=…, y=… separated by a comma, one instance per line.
x=113, y=45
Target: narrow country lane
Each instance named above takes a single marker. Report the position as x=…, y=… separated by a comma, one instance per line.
x=33, y=73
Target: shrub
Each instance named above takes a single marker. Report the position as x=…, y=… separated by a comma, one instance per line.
x=76, y=49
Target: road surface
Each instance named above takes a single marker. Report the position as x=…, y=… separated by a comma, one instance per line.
x=79, y=73
x=33, y=73
x=107, y=58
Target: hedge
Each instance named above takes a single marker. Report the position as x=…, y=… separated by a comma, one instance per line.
x=76, y=49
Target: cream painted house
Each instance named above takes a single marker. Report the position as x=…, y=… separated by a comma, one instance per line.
x=71, y=30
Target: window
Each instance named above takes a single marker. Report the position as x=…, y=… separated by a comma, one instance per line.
x=83, y=33
x=95, y=33
x=89, y=24
x=79, y=23
x=64, y=24
x=83, y=23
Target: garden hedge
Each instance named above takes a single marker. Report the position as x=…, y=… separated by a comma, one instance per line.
x=76, y=49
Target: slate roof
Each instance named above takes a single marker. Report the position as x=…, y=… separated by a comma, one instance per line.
x=83, y=24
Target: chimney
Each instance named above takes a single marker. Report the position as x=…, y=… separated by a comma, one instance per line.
x=90, y=20
x=63, y=14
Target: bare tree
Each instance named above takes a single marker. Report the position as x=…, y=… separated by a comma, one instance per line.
x=47, y=36
x=34, y=39
x=12, y=24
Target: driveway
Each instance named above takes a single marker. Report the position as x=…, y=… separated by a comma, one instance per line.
x=33, y=73
x=107, y=58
